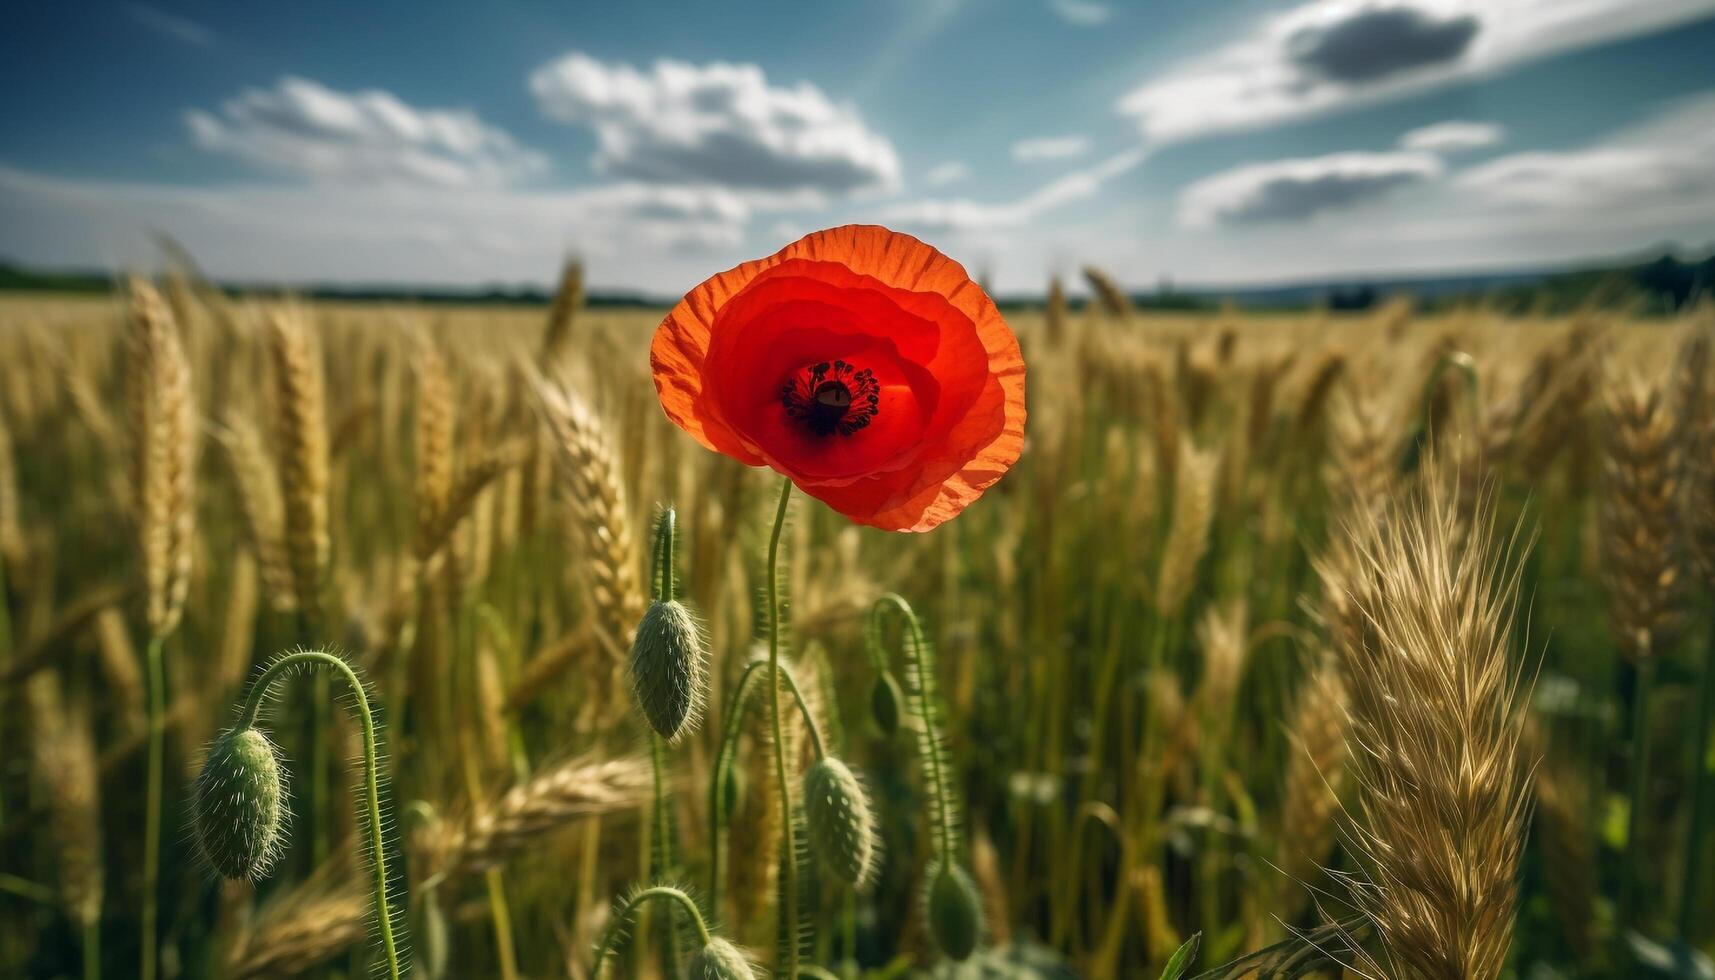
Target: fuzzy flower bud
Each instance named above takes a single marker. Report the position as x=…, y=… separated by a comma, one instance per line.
x=842, y=828
x=668, y=677
x=720, y=960
x=239, y=804
x=955, y=911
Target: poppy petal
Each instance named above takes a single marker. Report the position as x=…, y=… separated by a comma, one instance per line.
x=948, y=373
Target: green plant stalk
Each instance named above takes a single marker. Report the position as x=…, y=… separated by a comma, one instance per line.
x=26, y=889
x=316, y=804
x=922, y=691
x=5, y=618
x=152, y=806
x=494, y=880
x=371, y=775
x=724, y=756
x=1697, y=830
x=660, y=854
x=92, y=949
x=628, y=908
x=1628, y=910
x=660, y=860
x=788, y=847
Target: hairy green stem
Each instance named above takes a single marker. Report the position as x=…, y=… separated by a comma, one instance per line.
x=628, y=908
x=922, y=691
x=664, y=555
x=1697, y=829
x=724, y=757
x=788, y=845
x=371, y=774
x=152, y=806
x=92, y=949
x=660, y=856
x=660, y=860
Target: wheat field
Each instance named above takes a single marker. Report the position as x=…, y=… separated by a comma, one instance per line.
x=1342, y=644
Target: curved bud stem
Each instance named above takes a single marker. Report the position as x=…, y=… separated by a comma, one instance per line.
x=724, y=757
x=921, y=690
x=628, y=908
x=726, y=754
x=371, y=772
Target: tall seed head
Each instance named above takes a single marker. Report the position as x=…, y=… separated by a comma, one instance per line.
x=720, y=960
x=668, y=676
x=164, y=446
x=239, y=804
x=842, y=827
x=955, y=911
x=1641, y=531
x=301, y=401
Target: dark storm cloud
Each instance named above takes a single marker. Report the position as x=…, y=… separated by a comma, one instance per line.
x=1376, y=42
x=1295, y=190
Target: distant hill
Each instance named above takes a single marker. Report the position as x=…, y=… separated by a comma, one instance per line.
x=1659, y=284
x=18, y=278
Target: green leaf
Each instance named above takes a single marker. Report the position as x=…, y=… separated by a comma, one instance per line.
x=1181, y=960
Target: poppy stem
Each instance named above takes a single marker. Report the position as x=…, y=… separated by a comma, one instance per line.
x=371, y=783
x=788, y=849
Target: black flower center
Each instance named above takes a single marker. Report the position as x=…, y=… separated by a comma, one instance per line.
x=831, y=396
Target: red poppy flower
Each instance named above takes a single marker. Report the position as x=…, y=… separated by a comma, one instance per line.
x=859, y=362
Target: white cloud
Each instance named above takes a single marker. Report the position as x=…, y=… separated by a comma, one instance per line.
x=1328, y=55
x=962, y=215
x=942, y=174
x=1294, y=190
x=305, y=129
x=1050, y=148
x=635, y=235
x=181, y=29
x=1453, y=136
x=721, y=124
x=1082, y=13
x=1657, y=163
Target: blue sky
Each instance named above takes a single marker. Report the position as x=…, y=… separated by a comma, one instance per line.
x=1234, y=142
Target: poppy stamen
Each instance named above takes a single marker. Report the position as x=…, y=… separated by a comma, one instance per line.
x=832, y=396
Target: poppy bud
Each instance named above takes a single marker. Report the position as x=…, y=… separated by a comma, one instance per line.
x=955, y=912
x=667, y=673
x=720, y=960
x=885, y=703
x=842, y=829
x=238, y=806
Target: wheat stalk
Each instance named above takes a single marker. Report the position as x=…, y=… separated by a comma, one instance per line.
x=1639, y=518
x=599, y=511
x=572, y=790
x=64, y=766
x=11, y=526
x=1315, y=771
x=261, y=506
x=568, y=300
x=435, y=418
x=302, y=929
x=1114, y=302
x=301, y=427
x=1188, y=529
x=1436, y=726
x=163, y=460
